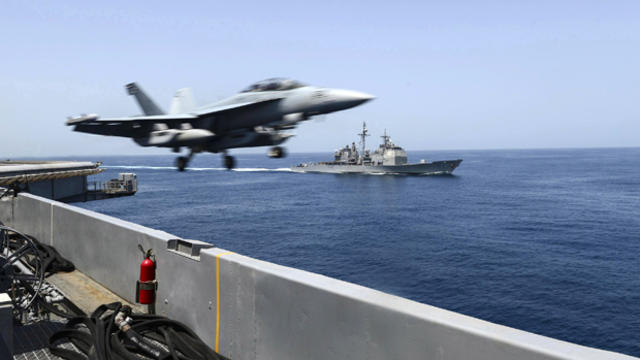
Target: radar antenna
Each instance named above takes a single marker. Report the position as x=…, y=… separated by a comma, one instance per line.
x=363, y=135
x=385, y=138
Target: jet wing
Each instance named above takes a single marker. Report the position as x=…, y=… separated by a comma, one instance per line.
x=138, y=126
x=130, y=126
x=94, y=119
x=237, y=106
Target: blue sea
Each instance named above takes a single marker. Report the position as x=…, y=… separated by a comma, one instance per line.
x=546, y=241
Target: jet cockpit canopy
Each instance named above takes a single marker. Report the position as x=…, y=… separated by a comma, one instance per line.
x=274, y=84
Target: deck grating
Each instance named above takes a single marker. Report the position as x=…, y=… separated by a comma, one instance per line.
x=31, y=341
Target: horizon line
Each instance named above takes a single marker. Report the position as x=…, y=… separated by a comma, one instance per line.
x=323, y=152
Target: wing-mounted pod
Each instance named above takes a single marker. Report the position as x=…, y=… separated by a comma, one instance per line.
x=174, y=138
x=294, y=118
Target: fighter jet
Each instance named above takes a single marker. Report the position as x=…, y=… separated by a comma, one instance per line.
x=259, y=115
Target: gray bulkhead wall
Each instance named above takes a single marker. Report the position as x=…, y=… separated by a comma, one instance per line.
x=59, y=188
x=268, y=311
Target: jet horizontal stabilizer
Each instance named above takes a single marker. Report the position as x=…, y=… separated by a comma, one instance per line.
x=82, y=118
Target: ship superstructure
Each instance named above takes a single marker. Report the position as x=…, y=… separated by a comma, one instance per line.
x=387, y=158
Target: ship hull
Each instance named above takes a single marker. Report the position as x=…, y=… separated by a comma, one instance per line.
x=444, y=167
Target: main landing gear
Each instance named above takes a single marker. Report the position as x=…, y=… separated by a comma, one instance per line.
x=229, y=161
x=183, y=161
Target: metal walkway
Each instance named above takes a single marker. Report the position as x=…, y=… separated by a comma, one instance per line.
x=31, y=341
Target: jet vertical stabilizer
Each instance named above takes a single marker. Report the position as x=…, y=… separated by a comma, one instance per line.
x=182, y=102
x=146, y=104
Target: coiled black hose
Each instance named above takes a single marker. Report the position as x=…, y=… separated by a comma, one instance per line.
x=45, y=259
x=106, y=335
x=52, y=261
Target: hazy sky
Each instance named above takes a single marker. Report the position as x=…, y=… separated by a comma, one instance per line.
x=447, y=74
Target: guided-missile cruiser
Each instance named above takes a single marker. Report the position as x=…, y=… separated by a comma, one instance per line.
x=388, y=158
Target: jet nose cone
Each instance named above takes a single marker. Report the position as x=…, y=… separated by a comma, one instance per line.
x=349, y=98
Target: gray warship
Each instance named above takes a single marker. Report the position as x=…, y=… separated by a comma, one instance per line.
x=388, y=158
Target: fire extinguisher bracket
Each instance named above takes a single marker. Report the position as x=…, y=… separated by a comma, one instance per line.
x=145, y=285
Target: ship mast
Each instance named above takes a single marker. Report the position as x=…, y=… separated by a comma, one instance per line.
x=385, y=138
x=363, y=135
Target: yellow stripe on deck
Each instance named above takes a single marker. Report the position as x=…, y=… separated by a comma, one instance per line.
x=218, y=295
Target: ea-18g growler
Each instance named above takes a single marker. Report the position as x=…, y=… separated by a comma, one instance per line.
x=259, y=115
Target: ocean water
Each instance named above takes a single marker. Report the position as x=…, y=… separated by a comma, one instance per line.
x=545, y=241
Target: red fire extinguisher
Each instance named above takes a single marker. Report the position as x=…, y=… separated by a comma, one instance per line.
x=147, y=285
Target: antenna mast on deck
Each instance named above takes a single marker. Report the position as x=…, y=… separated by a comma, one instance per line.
x=363, y=135
x=385, y=138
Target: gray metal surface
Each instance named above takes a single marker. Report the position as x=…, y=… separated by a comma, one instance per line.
x=59, y=180
x=250, y=309
x=20, y=167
